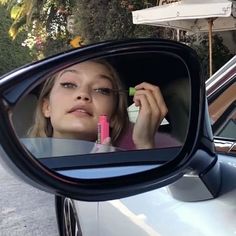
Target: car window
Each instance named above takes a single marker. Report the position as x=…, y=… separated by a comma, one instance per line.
x=223, y=113
x=223, y=116
x=228, y=128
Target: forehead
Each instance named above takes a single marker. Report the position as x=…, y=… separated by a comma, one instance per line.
x=92, y=68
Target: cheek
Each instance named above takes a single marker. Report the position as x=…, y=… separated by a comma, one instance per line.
x=107, y=107
x=56, y=105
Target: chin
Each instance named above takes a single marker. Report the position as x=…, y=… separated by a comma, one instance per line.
x=83, y=134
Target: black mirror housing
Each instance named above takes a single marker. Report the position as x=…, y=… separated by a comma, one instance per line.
x=133, y=171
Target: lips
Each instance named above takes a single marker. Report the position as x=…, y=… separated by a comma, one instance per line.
x=80, y=110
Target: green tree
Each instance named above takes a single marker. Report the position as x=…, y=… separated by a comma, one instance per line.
x=13, y=54
x=220, y=53
x=44, y=21
x=95, y=21
x=98, y=20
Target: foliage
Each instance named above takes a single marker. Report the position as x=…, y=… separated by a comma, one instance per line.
x=94, y=20
x=99, y=20
x=13, y=54
x=220, y=53
x=44, y=20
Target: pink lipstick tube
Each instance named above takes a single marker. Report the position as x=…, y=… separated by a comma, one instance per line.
x=103, y=129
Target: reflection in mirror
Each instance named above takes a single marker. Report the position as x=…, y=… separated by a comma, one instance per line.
x=114, y=104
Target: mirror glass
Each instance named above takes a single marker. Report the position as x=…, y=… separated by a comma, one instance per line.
x=113, y=105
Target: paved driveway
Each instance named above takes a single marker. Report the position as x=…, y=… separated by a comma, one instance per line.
x=25, y=210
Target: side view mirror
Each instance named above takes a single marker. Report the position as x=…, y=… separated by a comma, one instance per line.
x=150, y=94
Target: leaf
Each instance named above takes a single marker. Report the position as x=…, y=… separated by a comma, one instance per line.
x=3, y=2
x=16, y=12
x=13, y=31
x=15, y=27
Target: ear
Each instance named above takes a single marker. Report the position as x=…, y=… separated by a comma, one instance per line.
x=46, y=109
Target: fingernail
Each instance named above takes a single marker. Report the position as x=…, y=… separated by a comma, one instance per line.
x=107, y=140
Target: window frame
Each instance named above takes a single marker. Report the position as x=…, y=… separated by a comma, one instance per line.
x=216, y=87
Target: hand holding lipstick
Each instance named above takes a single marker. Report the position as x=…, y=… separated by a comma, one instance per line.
x=152, y=111
x=104, y=141
x=103, y=129
x=104, y=147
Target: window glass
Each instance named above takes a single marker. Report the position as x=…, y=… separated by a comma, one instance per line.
x=228, y=130
x=223, y=113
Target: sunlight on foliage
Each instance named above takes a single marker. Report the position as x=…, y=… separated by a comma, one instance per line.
x=16, y=12
x=13, y=32
x=13, y=54
x=15, y=27
x=3, y=2
x=47, y=27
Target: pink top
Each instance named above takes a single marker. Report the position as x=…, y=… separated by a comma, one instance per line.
x=162, y=140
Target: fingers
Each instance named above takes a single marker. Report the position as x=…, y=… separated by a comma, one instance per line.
x=104, y=147
x=154, y=97
x=152, y=111
x=150, y=97
x=107, y=141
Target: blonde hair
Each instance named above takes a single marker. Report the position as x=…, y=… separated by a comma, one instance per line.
x=119, y=120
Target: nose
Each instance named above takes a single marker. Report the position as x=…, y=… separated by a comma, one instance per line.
x=83, y=94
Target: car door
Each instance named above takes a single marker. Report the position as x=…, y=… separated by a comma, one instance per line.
x=157, y=212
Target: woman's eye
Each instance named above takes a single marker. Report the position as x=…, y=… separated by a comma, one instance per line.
x=68, y=85
x=103, y=91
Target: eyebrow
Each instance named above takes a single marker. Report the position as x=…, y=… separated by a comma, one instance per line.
x=100, y=76
x=68, y=70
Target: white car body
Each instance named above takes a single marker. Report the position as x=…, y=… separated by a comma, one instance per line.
x=157, y=213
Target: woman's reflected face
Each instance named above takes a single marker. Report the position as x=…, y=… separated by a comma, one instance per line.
x=80, y=94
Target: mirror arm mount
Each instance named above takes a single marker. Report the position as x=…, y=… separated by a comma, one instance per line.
x=202, y=179
x=194, y=186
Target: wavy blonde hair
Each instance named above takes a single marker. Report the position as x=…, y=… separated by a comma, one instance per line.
x=119, y=120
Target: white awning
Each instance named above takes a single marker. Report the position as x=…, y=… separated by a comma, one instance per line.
x=189, y=15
